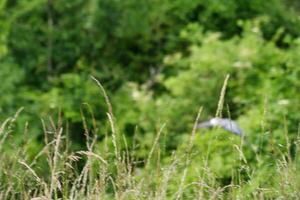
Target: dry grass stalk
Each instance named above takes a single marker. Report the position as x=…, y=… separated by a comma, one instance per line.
x=222, y=97
x=154, y=144
x=188, y=156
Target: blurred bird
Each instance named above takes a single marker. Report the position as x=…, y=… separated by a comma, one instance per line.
x=227, y=124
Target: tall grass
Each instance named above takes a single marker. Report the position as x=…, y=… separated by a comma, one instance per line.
x=57, y=172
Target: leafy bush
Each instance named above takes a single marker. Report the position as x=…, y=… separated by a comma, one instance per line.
x=160, y=61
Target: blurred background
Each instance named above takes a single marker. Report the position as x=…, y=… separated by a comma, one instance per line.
x=159, y=61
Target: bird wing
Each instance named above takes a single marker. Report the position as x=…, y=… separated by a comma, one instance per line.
x=227, y=124
x=205, y=124
x=231, y=126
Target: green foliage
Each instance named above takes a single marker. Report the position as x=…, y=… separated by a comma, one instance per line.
x=159, y=60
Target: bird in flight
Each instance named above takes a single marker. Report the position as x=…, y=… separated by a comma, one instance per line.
x=225, y=123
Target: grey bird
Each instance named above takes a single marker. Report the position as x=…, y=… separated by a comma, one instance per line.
x=227, y=124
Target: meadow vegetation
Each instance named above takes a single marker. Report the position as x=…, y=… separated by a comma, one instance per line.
x=100, y=99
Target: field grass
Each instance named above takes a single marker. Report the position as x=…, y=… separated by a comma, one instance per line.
x=114, y=172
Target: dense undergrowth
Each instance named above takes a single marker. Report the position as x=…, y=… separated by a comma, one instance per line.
x=206, y=165
x=159, y=60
